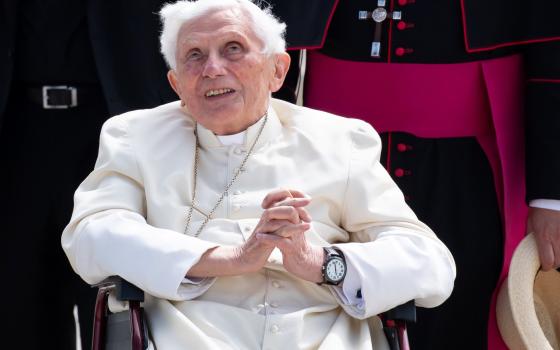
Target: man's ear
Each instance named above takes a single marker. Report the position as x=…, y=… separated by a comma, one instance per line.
x=173, y=81
x=281, y=66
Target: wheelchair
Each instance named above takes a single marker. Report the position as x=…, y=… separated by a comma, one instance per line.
x=128, y=329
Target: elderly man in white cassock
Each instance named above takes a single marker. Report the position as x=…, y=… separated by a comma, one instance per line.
x=250, y=223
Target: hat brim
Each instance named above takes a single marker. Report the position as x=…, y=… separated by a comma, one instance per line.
x=515, y=310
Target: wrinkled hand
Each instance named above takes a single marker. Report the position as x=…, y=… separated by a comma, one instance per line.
x=299, y=257
x=278, y=220
x=545, y=225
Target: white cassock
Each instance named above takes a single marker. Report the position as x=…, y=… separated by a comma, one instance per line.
x=130, y=215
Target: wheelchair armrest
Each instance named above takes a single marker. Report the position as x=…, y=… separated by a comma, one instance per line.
x=124, y=290
x=404, y=312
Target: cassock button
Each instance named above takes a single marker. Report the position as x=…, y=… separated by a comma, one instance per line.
x=399, y=51
x=238, y=150
x=399, y=172
x=401, y=147
x=401, y=25
x=403, y=2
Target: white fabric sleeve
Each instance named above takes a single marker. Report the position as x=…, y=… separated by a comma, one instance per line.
x=395, y=256
x=108, y=233
x=552, y=204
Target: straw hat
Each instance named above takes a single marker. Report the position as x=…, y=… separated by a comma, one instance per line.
x=528, y=308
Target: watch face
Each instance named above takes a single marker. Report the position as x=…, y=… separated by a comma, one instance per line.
x=335, y=270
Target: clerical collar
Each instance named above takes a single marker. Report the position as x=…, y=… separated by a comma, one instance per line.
x=272, y=129
x=235, y=139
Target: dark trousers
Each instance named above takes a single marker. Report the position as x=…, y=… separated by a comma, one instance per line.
x=44, y=155
x=449, y=185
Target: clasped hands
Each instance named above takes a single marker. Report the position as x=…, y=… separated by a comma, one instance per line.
x=282, y=224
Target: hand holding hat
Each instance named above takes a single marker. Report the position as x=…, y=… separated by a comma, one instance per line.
x=528, y=308
x=545, y=225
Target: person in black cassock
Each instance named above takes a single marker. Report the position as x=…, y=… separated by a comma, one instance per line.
x=65, y=67
x=460, y=91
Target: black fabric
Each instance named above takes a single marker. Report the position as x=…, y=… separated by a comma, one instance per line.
x=8, y=18
x=307, y=20
x=109, y=50
x=543, y=120
x=124, y=42
x=45, y=154
x=542, y=139
x=57, y=29
x=488, y=24
x=498, y=22
x=449, y=185
x=437, y=36
x=124, y=35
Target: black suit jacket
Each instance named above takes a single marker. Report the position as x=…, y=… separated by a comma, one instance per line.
x=124, y=37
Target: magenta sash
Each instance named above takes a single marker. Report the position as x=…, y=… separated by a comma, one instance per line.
x=481, y=99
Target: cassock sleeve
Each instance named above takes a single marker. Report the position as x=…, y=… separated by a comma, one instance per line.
x=394, y=257
x=543, y=120
x=108, y=233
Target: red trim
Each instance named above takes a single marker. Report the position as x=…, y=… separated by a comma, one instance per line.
x=513, y=43
x=389, y=152
x=506, y=44
x=464, y=18
x=329, y=23
x=391, y=8
x=304, y=47
x=324, y=33
x=542, y=80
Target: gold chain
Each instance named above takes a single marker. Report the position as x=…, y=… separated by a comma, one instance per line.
x=235, y=175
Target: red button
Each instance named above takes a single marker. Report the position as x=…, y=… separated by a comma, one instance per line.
x=399, y=51
x=401, y=25
x=402, y=2
x=401, y=147
x=399, y=172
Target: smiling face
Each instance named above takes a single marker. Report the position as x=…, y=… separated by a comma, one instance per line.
x=221, y=75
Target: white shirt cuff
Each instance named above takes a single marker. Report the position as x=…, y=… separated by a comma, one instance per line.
x=193, y=280
x=350, y=289
x=194, y=287
x=552, y=204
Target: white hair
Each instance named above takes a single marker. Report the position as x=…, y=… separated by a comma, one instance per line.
x=264, y=24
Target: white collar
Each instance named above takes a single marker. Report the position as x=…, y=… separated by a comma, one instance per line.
x=235, y=139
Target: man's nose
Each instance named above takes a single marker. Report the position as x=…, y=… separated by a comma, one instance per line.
x=214, y=66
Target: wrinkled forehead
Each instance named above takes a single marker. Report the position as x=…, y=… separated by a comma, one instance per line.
x=217, y=23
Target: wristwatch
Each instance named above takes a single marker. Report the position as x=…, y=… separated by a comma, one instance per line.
x=334, y=266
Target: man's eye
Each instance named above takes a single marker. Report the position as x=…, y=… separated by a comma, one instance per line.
x=233, y=48
x=193, y=55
